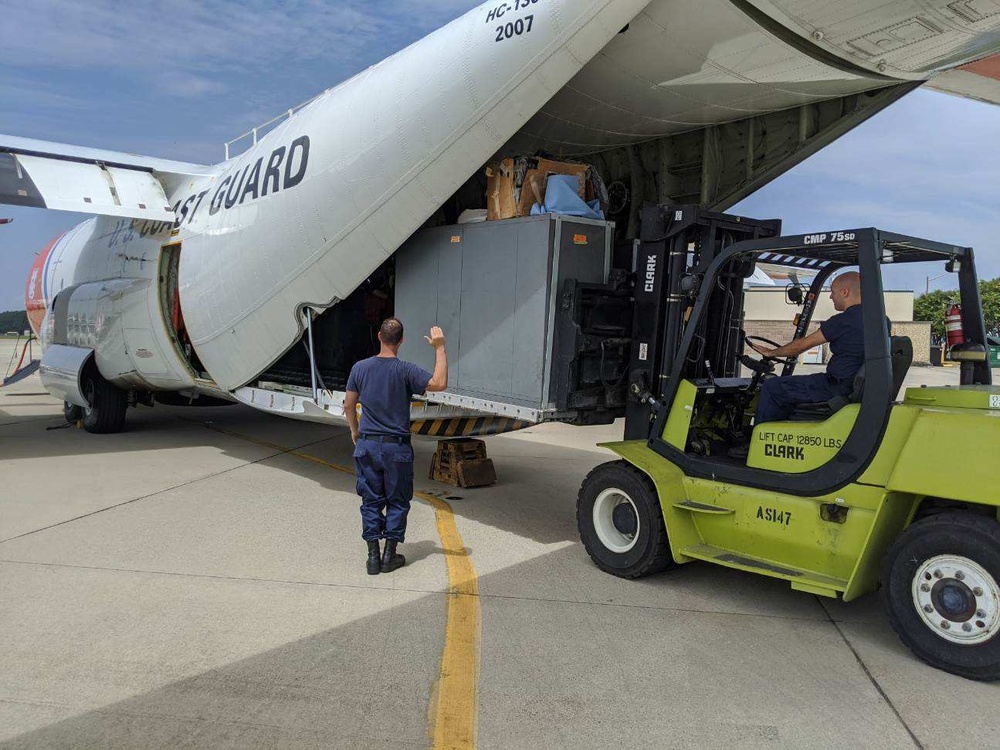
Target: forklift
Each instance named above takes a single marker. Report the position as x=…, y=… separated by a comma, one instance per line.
x=876, y=490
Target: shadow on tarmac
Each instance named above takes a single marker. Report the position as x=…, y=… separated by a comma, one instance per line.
x=243, y=434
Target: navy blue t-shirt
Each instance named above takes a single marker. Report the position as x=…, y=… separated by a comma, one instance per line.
x=385, y=386
x=846, y=333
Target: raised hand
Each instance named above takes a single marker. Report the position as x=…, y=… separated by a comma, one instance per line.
x=436, y=339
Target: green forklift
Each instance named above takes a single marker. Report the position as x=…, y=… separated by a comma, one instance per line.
x=881, y=489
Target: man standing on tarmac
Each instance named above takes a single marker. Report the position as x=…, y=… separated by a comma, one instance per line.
x=383, y=456
x=844, y=332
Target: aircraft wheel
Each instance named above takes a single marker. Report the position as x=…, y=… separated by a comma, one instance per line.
x=107, y=403
x=941, y=589
x=620, y=521
x=72, y=412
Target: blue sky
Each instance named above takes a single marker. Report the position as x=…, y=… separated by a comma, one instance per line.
x=178, y=79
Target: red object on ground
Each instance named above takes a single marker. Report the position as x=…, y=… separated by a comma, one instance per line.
x=23, y=352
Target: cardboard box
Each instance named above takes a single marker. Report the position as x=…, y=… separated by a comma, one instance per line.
x=514, y=185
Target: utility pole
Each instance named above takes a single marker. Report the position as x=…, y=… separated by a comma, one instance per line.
x=929, y=279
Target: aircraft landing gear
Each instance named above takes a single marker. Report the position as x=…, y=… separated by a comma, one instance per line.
x=107, y=404
x=72, y=412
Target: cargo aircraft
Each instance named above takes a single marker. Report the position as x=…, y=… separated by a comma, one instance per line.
x=259, y=279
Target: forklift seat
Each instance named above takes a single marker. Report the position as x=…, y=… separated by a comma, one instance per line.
x=901, y=351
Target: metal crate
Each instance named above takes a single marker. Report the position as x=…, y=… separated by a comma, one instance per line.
x=494, y=287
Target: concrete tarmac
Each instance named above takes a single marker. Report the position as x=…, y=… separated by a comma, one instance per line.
x=196, y=581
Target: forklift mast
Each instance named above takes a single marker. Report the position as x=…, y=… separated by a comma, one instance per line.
x=677, y=245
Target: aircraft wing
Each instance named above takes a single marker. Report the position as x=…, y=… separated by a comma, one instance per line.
x=73, y=178
x=978, y=80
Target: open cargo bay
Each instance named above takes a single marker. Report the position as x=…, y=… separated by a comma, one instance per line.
x=535, y=331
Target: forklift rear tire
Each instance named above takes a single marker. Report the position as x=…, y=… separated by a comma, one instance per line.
x=941, y=589
x=107, y=404
x=620, y=521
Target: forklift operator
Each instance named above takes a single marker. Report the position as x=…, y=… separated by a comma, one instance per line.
x=844, y=332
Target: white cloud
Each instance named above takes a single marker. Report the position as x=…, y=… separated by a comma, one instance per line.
x=189, y=85
x=206, y=37
x=928, y=166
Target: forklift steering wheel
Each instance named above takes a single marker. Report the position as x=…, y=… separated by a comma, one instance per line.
x=749, y=341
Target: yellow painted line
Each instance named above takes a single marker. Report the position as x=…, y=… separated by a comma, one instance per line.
x=453, y=709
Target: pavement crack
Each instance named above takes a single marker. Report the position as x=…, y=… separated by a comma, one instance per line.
x=222, y=577
x=649, y=607
x=408, y=590
x=871, y=677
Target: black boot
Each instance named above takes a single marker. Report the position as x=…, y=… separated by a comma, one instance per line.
x=390, y=560
x=373, y=558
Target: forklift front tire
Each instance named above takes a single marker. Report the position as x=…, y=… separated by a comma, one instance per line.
x=941, y=592
x=620, y=521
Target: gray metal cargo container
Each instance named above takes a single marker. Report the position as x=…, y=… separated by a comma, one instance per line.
x=494, y=287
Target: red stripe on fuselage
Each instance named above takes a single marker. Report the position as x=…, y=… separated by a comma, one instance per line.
x=34, y=297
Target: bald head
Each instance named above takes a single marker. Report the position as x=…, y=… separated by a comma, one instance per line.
x=845, y=291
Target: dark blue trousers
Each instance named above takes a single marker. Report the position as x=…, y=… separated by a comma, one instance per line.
x=778, y=396
x=385, y=483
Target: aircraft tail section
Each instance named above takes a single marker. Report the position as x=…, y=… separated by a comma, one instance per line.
x=73, y=178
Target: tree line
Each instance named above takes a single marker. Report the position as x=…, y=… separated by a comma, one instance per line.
x=13, y=321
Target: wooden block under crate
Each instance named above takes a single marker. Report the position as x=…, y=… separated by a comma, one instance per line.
x=479, y=472
x=462, y=463
x=461, y=449
x=440, y=473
